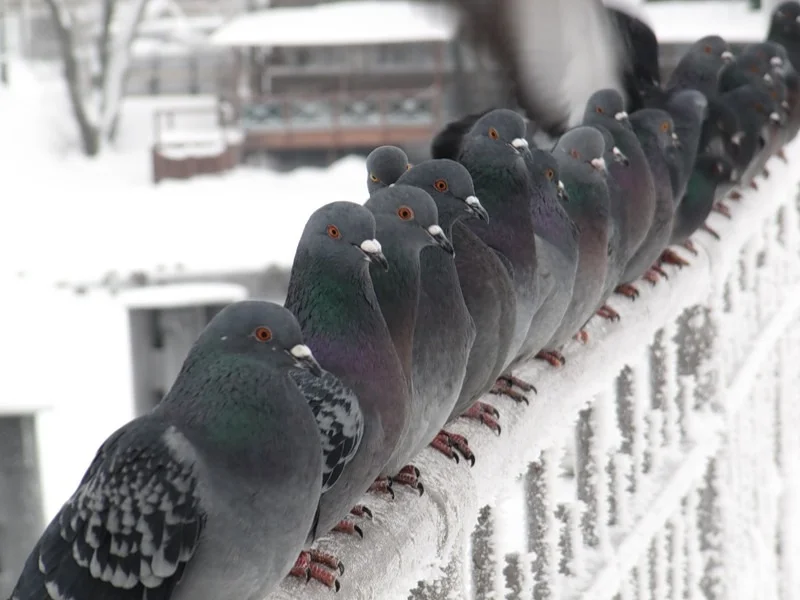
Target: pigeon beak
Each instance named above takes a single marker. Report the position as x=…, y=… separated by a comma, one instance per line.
x=785, y=105
x=599, y=164
x=776, y=61
x=621, y=116
x=736, y=138
x=676, y=141
x=440, y=238
x=519, y=144
x=775, y=118
x=734, y=175
x=304, y=359
x=620, y=157
x=727, y=56
x=374, y=253
x=562, y=192
x=797, y=19
x=474, y=207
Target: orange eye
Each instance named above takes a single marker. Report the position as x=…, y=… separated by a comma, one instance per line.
x=333, y=232
x=759, y=107
x=262, y=334
x=440, y=185
x=405, y=213
x=493, y=133
x=374, y=178
x=599, y=110
x=549, y=173
x=707, y=49
x=665, y=126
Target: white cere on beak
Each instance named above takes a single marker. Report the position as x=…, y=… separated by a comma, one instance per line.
x=775, y=117
x=776, y=61
x=561, y=187
x=674, y=136
x=472, y=201
x=798, y=19
x=519, y=143
x=391, y=185
x=599, y=163
x=371, y=246
x=301, y=351
x=736, y=138
x=435, y=230
x=727, y=55
x=616, y=151
x=767, y=77
x=621, y=116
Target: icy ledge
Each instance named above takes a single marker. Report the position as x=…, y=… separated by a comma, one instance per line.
x=744, y=299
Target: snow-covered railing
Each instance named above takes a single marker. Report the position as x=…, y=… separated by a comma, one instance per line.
x=661, y=462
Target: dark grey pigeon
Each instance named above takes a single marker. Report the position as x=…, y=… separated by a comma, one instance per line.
x=655, y=131
x=331, y=293
x=579, y=153
x=444, y=331
x=556, y=253
x=494, y=153
x=406, y=220
x=784, y=29
x=202, y=498
x=688, y=109
x=700, y=66
x=384, y=165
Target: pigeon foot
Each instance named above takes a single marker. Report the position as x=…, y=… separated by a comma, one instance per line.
x=382, y=485
x=554, y=357
x=782, y=155
x=689, y=245
x=486, y=414
x=652, y=275
x=359, y=510
x=608, y=313
x=453, y=445
x=627, y=290
x=708, y=229
x=309, y=565
x=735, y=195
x=765, y=172
x=722, y=209
x=670, y=257
x=523, y=385
x=348, y=527
x=582, y=336
x=754, y=185
x=504, y=388
x=409, y=476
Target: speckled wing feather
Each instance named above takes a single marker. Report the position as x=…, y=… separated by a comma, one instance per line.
x=339, y=418
x=130, y=528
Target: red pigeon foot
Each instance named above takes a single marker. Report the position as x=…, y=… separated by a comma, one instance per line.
x=708, y=229
x=689, y=245
x=382, y=484
x=782, y=155
x=523, y=385
x=671, y=258
x=653, y=275
x=608, y=313
x=359, y=510
x=308, y=567
x=582, y=336
x=553, y=357
x=627, y=290
x=754, y=185
x=455, y=444
x=348, y=527
x=486, y=414
x=722, y=209
x=735, y=195
x=503, y=387
x=409, y=476
x=765, y=173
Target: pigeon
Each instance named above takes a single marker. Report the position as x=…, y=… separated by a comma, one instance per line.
x=605, y=108
x=494, y=153
x=444, y=331
x=212, y=494
x=784, y=29
x=331, y=294
x=692, y=212
x=688, y=109
x=579, y=153
x=384, y=165
x=556, y=253
x=700, y=67
x=641, y=72
x=406, y=220
x=447, y=143
x=654, y=129
x=720, y=134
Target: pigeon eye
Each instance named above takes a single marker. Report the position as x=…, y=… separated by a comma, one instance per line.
x=440, y=185
x=262, y=334
x=759, y=107
x=493, y=133
x=665, y=126
x=599, y=110
x=405, y=213
x=374, y=178
x=707, y=49
x=549, y=173
x=333, y=232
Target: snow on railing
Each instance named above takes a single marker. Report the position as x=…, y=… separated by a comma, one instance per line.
x=661, y=462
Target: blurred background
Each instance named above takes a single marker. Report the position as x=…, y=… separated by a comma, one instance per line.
x=160, y=160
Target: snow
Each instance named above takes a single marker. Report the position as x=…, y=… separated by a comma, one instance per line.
x=687, y=21
x=347, y=23
x=182, y=295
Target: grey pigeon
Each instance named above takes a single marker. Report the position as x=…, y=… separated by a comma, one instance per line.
x=212, y=494
x=384, y=165
x=700, y=66
x=494, y=153
x=556, y=253
x=655, y=131
x=605, y=108
x=579, y=153
x=406, y=219
x=784, y=29
x=331, y=293
x=444, y=331
x=688, y=109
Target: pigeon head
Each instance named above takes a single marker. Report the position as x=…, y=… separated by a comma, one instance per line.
x=659, y=124
x=450, y=185
x=605, y=104
x=770, y=55
x=385, y=165
x=412, y=209
x=260, y=330
x=715, y=168
x=581, y=151
x=545, y=169
x=344, y=232
x=502, y=129
x=724, y=119
x=612, y=154
x=786, y=20
x=713, y=46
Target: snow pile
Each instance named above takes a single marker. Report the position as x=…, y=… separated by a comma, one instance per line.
x=687, y=21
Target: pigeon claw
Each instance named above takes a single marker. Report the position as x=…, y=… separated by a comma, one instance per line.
x=722, y=209
x=456, y=442
x=689, y=245
x=325, y=577
x=710, y=231
x=348, y=527
x=554, y=357
x=582, y=336
x=608, y=313
x=326, y=558
x=382, y=484
x=627, y=290
x=765, y=172
x=782, y=155
x=735, y=195
x=308, y=567
x=411, y=470
x=485, y=413
x=651, y=276
x=442, y=444
x=523, y=385
x=359, y=510
x=408, y=478
x=670, y=257
x=754, y=185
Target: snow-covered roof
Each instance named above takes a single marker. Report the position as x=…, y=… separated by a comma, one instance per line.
x=339, y=24
x=687, y=21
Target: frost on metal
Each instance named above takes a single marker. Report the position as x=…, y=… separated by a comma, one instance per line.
x=661, y=462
